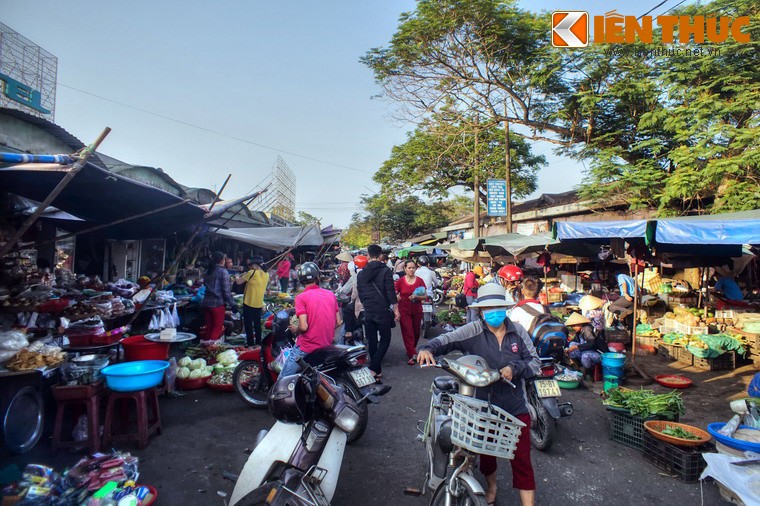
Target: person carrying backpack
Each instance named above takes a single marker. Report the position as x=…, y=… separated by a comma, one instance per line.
x=548, y=333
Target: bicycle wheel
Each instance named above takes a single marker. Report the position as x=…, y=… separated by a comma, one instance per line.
x=249, y=384
x=466, y=496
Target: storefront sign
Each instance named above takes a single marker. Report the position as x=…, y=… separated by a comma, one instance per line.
x=22, y=94
x=497, y=197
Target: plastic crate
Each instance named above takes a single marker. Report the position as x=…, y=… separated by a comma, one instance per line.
x=692, y=330
x=628, y=429
x=725, y=362
x=685, y=463
x=683, y=355
x=666, y=351
x=648, y=340
x=617, y=336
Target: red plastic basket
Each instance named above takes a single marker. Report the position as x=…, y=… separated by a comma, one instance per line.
x=139, y=348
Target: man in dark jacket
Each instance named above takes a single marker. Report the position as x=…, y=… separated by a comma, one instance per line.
x=378, y=295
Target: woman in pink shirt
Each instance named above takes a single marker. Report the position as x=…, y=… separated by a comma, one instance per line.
x=283, y=274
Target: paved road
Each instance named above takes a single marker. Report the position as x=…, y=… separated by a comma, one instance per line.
x=207, y=433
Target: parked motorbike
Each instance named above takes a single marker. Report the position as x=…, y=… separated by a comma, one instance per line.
x=297, y=462
x=459, y=427
x=544, y=407
x=438, y=296
x=257, y=371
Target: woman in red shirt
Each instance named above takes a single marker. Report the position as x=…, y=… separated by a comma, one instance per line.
x=410, y=309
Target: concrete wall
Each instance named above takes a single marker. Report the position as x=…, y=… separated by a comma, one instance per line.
x=20, y=136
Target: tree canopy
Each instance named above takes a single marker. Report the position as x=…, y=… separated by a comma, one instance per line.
x=439, y=156
x=400, y=218
x=675, y=130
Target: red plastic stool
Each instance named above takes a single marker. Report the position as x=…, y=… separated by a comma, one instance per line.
x=597, y=372
x=88, y=396
x=145, y=425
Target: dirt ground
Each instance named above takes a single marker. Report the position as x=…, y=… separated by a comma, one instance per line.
x=206, y=434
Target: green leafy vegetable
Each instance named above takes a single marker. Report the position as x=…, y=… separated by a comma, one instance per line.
x=645, y=403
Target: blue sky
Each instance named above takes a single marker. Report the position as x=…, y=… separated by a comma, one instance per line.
x=285, y=75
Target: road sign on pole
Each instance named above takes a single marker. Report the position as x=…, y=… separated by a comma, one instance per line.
x=497, y=197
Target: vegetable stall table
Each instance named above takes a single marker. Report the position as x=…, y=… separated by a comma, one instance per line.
x=180, y=337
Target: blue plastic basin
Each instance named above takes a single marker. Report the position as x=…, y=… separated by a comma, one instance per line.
x=736, y=444
x=134, y=376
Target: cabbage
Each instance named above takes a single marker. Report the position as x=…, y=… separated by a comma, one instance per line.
x=183, y=372
x=198, y=363
x=218, y=367
x=227, y=357
x=209, y=368
x=206, y=373
x=197, y=373
x=184, y=361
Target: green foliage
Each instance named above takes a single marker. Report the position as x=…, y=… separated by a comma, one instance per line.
x=441, y=155
x=402, y=218
x=678, y=131
x=305, y=218
x=358, y=235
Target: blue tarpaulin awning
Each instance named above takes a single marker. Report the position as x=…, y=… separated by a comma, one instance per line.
x=600, y=231
x=713, y=229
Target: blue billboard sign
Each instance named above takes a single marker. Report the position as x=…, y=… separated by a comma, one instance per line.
x=497, y=197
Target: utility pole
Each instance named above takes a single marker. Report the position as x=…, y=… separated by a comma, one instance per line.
x=476, y=185
x=508, y=175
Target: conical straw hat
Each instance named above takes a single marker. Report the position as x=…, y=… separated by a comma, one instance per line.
x=589, y=302
x=576, y=319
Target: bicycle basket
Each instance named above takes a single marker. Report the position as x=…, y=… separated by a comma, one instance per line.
x=483, y=428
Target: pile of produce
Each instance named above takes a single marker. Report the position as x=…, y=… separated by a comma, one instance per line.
x=452, y=317
x=691, y=316
x=193, y=368
x=646, y=403
x=223, y=378
x=226, y=362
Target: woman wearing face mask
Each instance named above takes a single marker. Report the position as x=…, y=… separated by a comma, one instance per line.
x=508, y=348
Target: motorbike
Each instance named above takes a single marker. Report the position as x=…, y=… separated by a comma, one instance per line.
x=297, y=462
x=257, y=370
x=438, y=296
x=428, y=317
x=543, y=404
x=459, y=427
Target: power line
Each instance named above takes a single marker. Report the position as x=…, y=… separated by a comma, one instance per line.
x=655, y=7
x=216, y=132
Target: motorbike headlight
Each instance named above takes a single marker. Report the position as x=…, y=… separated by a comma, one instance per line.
x=474, y=377
x=347, y=419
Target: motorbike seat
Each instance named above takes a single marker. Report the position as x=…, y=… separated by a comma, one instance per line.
x=327, y=355
x=446, y=383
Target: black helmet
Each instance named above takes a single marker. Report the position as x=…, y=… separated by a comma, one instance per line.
x=308, y=272
x=290, y=400
x=423, y=260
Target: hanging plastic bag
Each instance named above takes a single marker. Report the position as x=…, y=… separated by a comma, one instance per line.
x=80, y=429
x=153, y=325
x=175, y=315
x=279, y=362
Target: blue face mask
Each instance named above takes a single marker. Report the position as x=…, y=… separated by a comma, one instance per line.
x=495, y=317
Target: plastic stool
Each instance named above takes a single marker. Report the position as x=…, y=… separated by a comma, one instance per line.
x=88, y=396
x=145, y=426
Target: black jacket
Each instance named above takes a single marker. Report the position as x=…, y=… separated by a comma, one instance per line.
x=588, y=340
x=376, y=301
x=516, y=351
